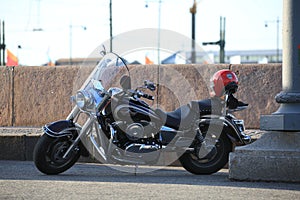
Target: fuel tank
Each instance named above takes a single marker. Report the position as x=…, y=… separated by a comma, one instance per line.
x=133, y=110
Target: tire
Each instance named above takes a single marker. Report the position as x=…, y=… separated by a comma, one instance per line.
x=215, y=160
x=48, y=152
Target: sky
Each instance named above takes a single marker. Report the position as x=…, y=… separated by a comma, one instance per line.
x=77, y=27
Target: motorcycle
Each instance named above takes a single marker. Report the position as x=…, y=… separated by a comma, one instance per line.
x=119, y=127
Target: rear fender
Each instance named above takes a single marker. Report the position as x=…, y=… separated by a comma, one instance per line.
x=228, y=128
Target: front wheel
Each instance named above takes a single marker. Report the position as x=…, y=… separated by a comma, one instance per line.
x=48, y=155
x=215, y=160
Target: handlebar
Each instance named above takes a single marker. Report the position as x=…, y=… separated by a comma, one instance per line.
x=140, y=94
x=148, y=96
x=149, y=85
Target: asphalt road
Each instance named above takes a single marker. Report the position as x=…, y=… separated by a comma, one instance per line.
x=21, y=180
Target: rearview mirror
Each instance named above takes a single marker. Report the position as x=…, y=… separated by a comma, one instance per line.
x=125, y=82
x=97, y=85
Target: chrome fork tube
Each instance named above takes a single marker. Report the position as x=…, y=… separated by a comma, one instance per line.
x=84, y=129
x=110, y=144
x=225, y=105
x=101, y=148
x=73, y=113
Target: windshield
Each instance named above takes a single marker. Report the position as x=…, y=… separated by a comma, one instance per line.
x=108, y=71
x=177, y=84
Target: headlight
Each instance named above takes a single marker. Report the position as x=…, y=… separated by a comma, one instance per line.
x=83, y=99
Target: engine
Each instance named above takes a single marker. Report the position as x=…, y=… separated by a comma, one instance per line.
x=138, y=140
x=129, y=136
x=137, y=131
x=136, y=127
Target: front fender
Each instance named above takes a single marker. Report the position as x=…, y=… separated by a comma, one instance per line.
x=61, y=128
x=65, y=128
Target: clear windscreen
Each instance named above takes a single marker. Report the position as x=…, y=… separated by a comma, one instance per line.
x=108, y=71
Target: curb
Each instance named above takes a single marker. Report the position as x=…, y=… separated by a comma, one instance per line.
x=17, y=143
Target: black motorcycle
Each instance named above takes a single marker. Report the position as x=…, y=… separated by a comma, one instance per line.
x=119, y=127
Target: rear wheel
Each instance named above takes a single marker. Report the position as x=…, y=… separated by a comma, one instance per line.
x=48, y=154
x=212, y=161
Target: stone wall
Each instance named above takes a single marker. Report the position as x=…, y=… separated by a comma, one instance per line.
x=33, y=96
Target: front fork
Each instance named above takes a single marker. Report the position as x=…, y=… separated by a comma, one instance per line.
x=85, y=130
x=73, y=114
x=87, y=125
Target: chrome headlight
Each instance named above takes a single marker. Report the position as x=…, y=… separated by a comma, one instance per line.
x=83, y=99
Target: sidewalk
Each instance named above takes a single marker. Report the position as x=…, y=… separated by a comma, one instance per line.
x=21, y=180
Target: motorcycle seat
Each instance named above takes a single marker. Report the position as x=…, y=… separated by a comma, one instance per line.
x=203, y=107
x=176, y=118
x=183, y=117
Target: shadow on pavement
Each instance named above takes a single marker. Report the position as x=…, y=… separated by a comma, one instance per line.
x=20, y=170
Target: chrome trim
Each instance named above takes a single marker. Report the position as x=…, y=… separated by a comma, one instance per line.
x=142, y=146
x=84, y=99
x=240, y=134
x=62, y=133
x=99, y=149
x=234, y=128
x=239, y=108
x=135, y=161
x=84, y=129
x=110, y=142
x=240, y=124
x=100, y=135
x=75, y=111
x=165, y=128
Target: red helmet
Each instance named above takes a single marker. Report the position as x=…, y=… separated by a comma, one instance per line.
x=224, y=80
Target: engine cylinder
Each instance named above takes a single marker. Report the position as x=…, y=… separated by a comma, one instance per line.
x=135, y=131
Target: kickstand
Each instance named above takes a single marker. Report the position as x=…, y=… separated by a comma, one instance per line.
x=135, y=169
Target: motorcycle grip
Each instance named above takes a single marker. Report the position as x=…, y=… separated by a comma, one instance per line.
x=147, y=96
